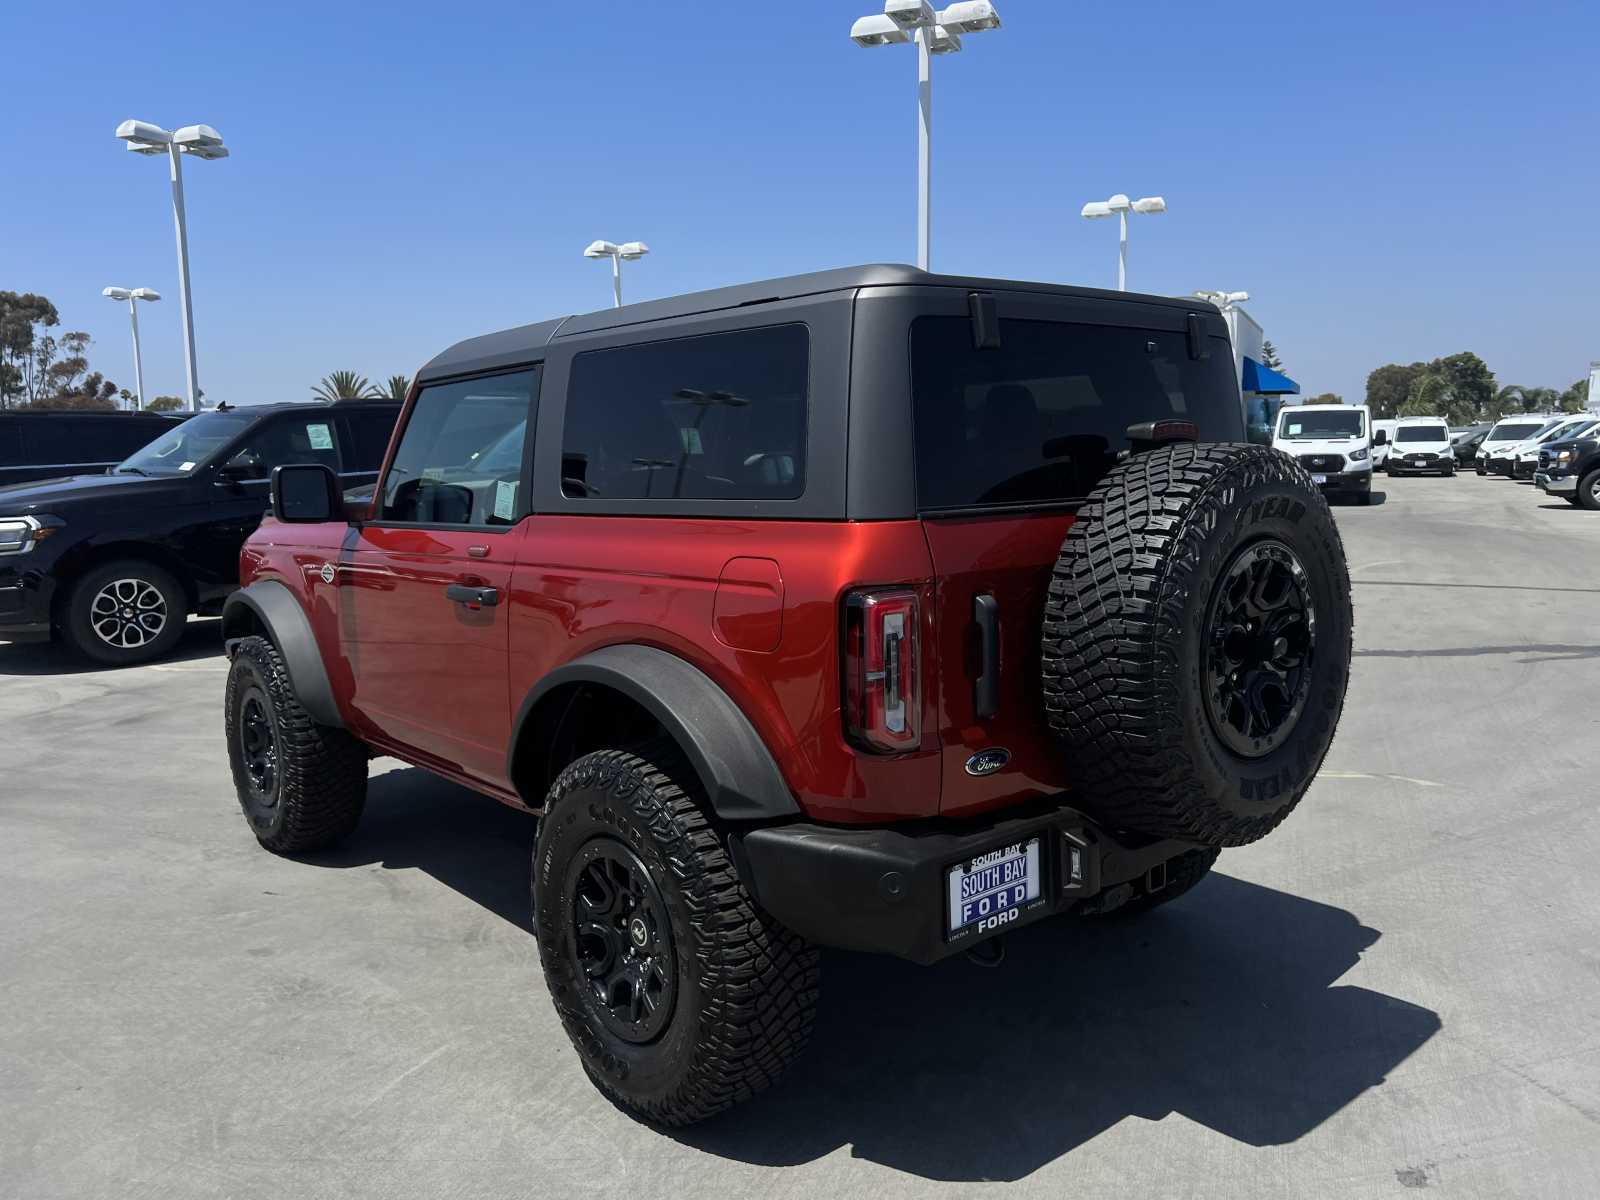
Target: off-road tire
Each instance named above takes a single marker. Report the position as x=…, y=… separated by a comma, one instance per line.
x=745, y=987
x=77, y=618
x=319, y=784
x=1124, y=643
x=1589, y=490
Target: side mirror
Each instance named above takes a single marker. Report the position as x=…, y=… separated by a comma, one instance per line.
x=1380, y=438
x=303, y=493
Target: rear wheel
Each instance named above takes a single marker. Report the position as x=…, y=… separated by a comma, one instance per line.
x=680, y=994
x=1589, y=490
x=1196, y=642
x=126, y=612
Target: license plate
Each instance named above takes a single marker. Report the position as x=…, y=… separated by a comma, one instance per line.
x=991, y=890
x=1319, y=479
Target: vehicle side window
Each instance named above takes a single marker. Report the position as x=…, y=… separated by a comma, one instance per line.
x=459, y=461
x=716, y=417
x=368, y=439
x=276, y=442
x=10, y=444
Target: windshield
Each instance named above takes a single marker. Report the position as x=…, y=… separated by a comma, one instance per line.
x=1299, y=425
x=1422, y=433
x=188, y=446
x=1514, y=433
x=1565, y=430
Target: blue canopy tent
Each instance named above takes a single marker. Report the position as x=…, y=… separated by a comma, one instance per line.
x=1265, y=381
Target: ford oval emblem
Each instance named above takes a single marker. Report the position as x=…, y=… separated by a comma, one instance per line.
x=987, y=762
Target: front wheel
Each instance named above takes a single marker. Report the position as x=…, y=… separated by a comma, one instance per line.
x=125, y=612
x=680, y=994
x=302, y=786
x=1589, y=490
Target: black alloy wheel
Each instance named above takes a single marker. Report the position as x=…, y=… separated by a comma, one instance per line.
x=621, y=941
x=258, y=752
x=1261, y=640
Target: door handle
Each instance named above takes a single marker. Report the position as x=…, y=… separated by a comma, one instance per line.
x=478, y=597
x=986, y=689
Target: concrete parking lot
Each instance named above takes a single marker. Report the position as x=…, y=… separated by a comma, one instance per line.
x=1399, y=990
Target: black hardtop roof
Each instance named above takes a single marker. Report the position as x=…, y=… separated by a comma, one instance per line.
x=511, y=346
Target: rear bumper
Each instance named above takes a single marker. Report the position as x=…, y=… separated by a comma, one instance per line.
x=1556, y=485
x=885, y=890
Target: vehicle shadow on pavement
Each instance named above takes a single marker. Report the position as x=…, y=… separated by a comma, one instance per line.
x=472, y=844
x=201, y=639
x=1222, y=1008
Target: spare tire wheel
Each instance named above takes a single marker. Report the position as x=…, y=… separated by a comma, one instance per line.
x=1196, y=642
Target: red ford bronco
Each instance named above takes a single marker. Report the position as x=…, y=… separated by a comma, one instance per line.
x=868, y=608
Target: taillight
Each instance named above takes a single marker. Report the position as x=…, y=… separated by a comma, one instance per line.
x=882, y=694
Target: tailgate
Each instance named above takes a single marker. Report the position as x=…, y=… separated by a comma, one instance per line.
x=1008, y=558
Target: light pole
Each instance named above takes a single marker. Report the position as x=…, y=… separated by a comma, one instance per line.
x=934, y=33
x=1119, y=206
x=201, y=141
x=630, y=251
x=133, y=296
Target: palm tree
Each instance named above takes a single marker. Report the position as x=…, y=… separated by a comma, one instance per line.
x=344, y=385
x=396, y=388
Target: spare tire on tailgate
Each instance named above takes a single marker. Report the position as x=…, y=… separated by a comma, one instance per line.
x=1197, y=642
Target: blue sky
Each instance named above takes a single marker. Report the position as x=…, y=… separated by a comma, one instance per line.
x=1390, y=181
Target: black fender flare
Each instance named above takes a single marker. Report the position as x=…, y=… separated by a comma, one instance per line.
x=273, y=607
x=741, y=778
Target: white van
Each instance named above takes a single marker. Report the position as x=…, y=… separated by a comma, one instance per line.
x=1421, y=445
x=1524, y=456
x=1494, y=454
x=1333, y=442
x=1382, y=445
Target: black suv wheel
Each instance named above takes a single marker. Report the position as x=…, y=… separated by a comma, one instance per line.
x=125, y=612
x=1588, y=492
x=681, y=996
x=302, y=786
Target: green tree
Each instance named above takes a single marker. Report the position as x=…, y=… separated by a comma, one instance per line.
x=1470, y=383
x=1390, y=386
x=1324, y=398
x=165, y=404
x=343, y=385
x=1576, y=398
x=396, y=387
x=1269, y=356
x=24, y=317
x=1430, y=397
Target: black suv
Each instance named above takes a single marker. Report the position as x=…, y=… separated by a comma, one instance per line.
x=44, y=445
x=1571, y=469
x=114, y=562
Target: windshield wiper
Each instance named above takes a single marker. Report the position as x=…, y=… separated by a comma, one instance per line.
x=127, y=470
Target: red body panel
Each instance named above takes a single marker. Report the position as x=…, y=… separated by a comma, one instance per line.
x=1010, y=558
x=753, y=604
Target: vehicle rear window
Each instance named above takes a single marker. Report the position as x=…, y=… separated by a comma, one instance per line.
x=1422, y=433
x=716, y=417
x=1041, y=418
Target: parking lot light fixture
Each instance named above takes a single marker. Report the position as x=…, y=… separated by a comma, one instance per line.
x=196, y=141
x=934, y=32
x=618, y=254
x=133, y=296
x=1120, y=206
